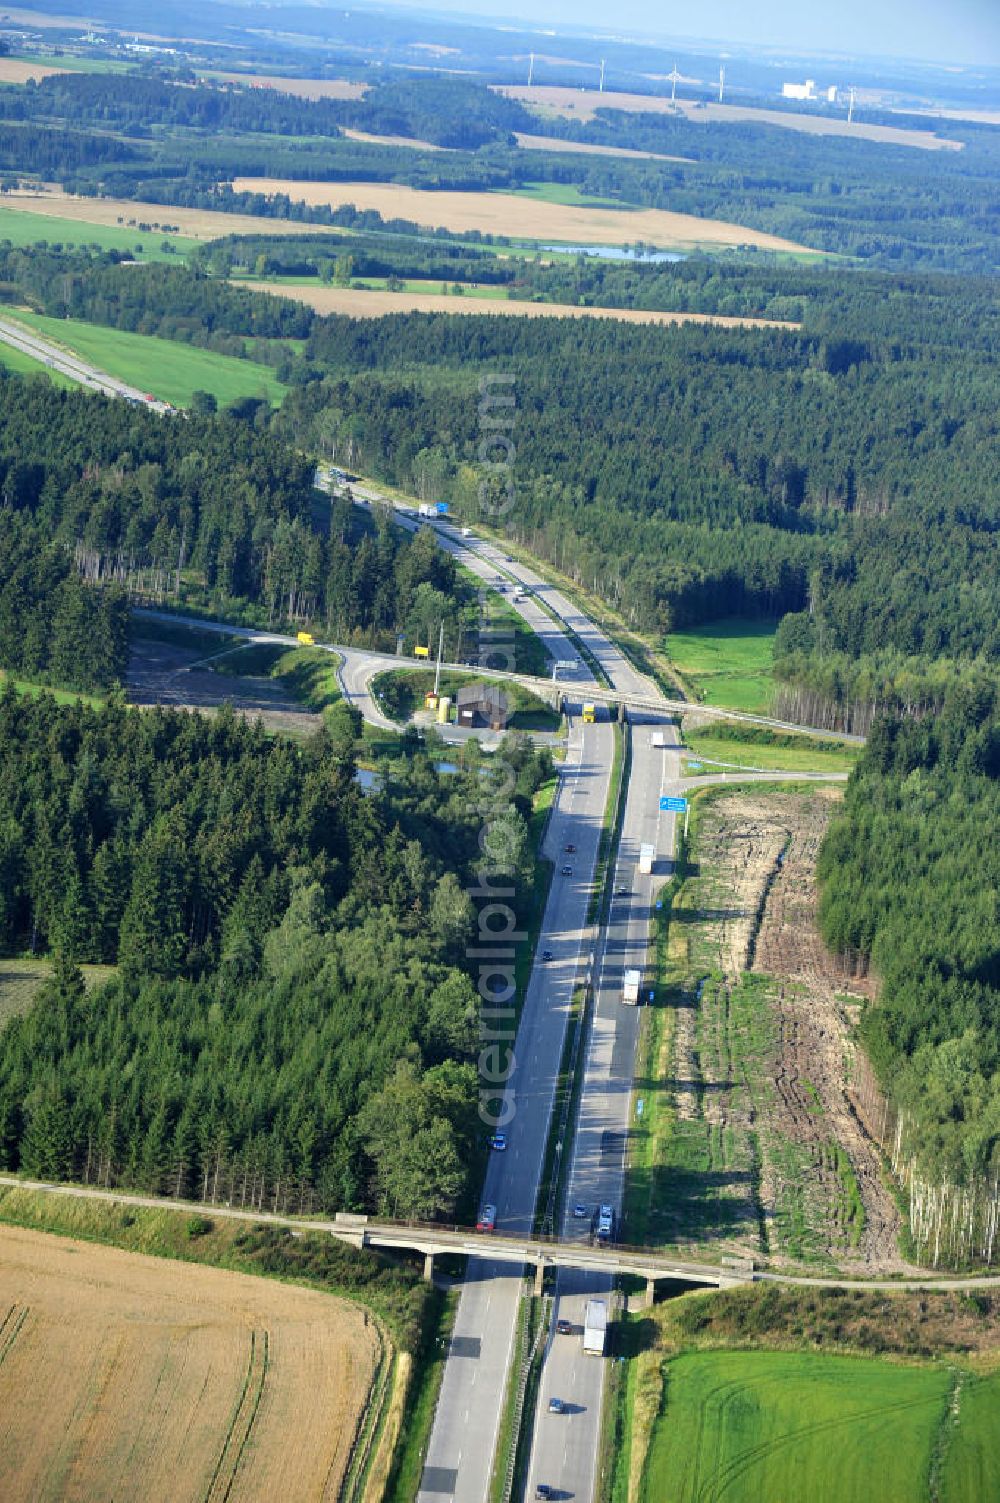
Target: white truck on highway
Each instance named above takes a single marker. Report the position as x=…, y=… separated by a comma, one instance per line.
x=595, y=1328
x=630, y=987
x=425, y=510
x=647, y=855
x=659, y=740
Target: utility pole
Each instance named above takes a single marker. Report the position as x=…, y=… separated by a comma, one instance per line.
x=437, y=674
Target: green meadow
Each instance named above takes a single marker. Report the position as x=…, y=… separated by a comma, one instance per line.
x=776, y=1427
x=727, y=662
x=169, y=370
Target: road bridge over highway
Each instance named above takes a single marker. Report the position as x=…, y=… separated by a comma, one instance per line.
x=540, y=1253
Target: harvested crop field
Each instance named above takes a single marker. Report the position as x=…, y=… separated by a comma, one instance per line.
x=367, y=303
x=411, y=141
x=14, y=70
x=527, y=218
x=574, y=104
x=302, y=88
x=546, y=143
x=123, y=1376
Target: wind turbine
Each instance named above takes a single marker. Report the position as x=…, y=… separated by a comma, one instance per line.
x=722, y=83
x=850, y=107
x=602, y=76
x=531, y=67
x=675, y=79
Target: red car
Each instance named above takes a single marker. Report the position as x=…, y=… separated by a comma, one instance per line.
x=487, y=1219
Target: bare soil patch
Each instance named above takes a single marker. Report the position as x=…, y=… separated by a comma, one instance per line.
x=574, y=104
x=531, y=218
x=773, y=1065
x=363, y=302
x=161, y=673
x=123, y=1376
x=816, y=1059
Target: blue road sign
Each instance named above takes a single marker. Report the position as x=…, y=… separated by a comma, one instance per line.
x=674, y=805
x=693, y=765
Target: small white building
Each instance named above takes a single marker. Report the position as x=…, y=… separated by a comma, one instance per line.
x=805, y=90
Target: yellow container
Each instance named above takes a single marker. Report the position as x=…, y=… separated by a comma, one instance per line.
x=444, y=709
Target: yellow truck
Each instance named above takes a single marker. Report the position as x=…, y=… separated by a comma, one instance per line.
x=306, y=638
x=421, y=652
x=589, y=714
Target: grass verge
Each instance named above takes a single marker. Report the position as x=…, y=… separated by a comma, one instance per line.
x=754, y=748
x=426, y=1375
x=309, y=674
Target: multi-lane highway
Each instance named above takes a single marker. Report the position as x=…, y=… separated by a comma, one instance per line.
x=564, y=1447
x=55, y=357
x=463, y=1442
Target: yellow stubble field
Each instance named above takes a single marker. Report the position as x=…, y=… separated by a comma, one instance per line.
x=527, y=218
x=372, y=303
x=123, y=1376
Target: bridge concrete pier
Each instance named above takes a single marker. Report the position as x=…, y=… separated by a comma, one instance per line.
x=428, y=1268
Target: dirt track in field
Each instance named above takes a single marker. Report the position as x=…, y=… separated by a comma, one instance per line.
x=127, y=1377
x=530, y=218
x=371, y=303
x=577, y=104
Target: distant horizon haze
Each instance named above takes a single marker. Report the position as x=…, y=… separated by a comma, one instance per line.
x=965, y=32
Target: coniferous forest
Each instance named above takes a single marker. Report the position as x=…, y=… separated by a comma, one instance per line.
x=292, y=1024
